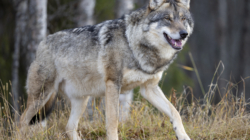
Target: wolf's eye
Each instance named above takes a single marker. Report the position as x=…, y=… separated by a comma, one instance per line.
x=168, y=19
x=183, y=19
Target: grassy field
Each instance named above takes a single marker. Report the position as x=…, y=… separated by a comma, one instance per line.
x=227, y=120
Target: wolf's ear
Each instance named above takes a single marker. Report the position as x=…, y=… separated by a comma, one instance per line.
x=186, y=3
x=155, y=4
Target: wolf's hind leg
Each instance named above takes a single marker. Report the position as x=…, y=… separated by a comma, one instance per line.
x=78, y=106
x=156, y=97
x=40, y=87
x=34, y=104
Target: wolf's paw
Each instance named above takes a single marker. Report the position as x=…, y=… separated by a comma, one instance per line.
x=180, y=131
x=183, y=137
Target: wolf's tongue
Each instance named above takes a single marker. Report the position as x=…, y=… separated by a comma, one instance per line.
x=176, y=42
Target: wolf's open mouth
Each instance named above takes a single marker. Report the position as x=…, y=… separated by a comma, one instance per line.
x=175, y=43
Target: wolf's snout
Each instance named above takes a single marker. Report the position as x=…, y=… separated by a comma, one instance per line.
x=183, y=34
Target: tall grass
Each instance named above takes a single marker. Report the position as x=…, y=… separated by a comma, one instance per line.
x=226, y=120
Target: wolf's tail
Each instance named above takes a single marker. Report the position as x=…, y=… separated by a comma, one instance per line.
x=46, y=110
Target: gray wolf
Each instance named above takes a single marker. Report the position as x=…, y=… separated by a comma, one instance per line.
x=109, y=59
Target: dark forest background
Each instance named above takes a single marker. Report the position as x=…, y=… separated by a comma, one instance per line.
x=215, y=58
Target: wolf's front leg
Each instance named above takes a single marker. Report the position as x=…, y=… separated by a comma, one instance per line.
x=156, y=97
x=112, y=110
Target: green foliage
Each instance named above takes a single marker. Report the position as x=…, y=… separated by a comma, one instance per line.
x=104, y=10
x=176, y=77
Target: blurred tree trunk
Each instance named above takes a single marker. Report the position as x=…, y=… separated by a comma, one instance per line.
x=20, y=9
x=123, y=7
x=221, y=33
x=30, y=30
x=86, y=13
x=36, y=27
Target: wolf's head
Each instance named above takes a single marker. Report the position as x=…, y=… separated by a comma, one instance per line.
x=167, y=23
x=158, y=32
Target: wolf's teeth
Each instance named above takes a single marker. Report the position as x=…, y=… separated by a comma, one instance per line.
x=169, y=37
x=175, y=43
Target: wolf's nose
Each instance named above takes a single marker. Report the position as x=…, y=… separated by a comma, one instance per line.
x=183, y=34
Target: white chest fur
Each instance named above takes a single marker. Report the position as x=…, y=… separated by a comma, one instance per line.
x=133, y=78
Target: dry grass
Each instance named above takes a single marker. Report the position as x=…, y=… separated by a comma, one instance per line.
x=226, y=120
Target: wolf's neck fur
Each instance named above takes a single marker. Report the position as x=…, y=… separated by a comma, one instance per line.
x=148, y=57
x=136, y=17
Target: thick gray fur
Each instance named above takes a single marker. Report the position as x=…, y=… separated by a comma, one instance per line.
x=111, y=58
